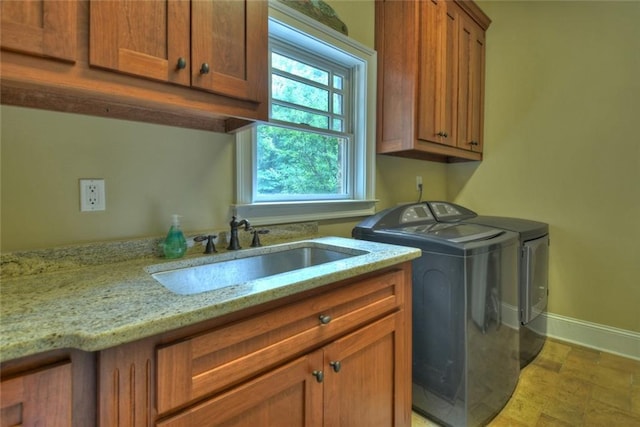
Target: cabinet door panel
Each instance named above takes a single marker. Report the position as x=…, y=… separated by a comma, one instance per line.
x=43, y=27
x=477, y=66
x=465, y=90
x=438, y=73
x=450, y=76
x=368, y=387
x=41, y=397
x=143, y=38
x=470, y=85
x=431, y=71
x=229, y=38
x=288, y=396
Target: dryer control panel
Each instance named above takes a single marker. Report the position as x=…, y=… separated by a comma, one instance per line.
x=450, y=212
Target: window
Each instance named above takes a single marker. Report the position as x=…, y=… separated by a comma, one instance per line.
x=315, y=158
x=303, y=154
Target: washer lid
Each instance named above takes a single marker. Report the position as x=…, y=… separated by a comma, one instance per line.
x=455, y=233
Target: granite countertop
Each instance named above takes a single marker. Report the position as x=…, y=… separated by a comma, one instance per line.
x=95, y=307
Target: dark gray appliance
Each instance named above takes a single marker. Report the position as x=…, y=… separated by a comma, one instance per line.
x=533, y=279
x=465, y=356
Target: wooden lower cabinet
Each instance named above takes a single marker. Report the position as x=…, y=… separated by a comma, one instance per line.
x=335, y=355
x=52, y=389
x=38, y=398
x=355, y=381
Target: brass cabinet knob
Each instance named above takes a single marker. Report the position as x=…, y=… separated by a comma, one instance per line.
x=442, y=134
x=336, y=366
x=182, y=63
x=204, y=69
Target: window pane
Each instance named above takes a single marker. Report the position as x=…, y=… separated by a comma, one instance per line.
x=338, y=125
x=292, y=115
x=337, y=82
x=295, y=162
x=337, y=103
x=284, y=89
x=299, y=69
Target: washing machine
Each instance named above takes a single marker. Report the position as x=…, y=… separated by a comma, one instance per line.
x=533, y=279
x=465, y=355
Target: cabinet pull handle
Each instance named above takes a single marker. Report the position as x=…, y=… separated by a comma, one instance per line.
x=319, y=375
x=336, y=365
x=324, y=319
x=442, y=134
x=204, y=69
x=473, y=143
x=182, y=64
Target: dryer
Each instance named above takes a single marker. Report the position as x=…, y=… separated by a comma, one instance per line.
x=533, y=267
x=533, y=280
x=465, y=356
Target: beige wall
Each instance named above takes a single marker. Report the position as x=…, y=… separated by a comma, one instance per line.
x=562, y=146
x=150, y=172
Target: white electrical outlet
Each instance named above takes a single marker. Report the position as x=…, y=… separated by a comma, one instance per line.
x=418, y=183
x=92, y=195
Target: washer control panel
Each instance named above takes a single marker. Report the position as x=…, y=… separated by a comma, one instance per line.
x=415, y=213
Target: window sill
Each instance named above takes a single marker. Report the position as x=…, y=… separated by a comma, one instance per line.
x=288, y=212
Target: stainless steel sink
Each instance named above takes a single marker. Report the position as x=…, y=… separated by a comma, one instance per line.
x=225, y=273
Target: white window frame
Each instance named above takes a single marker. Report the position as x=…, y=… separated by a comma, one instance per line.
x=297, y=28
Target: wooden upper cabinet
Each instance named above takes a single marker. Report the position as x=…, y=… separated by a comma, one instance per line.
x=219, y=46
x=430, y=100
x=228, y=37
x=43, y=27
x=144, y=38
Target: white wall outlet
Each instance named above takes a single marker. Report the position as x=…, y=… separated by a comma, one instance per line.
x=418, y=183
x=92, y=195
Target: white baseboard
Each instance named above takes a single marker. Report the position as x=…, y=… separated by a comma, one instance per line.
x=600, y=337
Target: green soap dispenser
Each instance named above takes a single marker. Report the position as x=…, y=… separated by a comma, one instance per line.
x=175, y=244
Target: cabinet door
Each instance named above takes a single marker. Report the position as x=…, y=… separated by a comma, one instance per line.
x=42, y=27
x=471, y=50
x=40, y=397
x=288, y=396
x=144, y=38
x=229, y=48
x=368, y=376
x=438, y=72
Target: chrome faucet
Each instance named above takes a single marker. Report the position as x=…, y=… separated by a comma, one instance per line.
x=234, y=243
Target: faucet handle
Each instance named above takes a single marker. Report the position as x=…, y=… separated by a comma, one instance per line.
x=211, y=247
x=256, y=239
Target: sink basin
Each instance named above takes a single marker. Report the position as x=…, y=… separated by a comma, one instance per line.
x=222, y=274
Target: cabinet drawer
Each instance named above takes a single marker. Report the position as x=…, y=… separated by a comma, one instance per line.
x=203, y=365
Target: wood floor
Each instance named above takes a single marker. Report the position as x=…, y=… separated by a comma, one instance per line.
x=569, y=385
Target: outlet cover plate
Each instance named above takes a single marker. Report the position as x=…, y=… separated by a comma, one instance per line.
x=92, y=195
